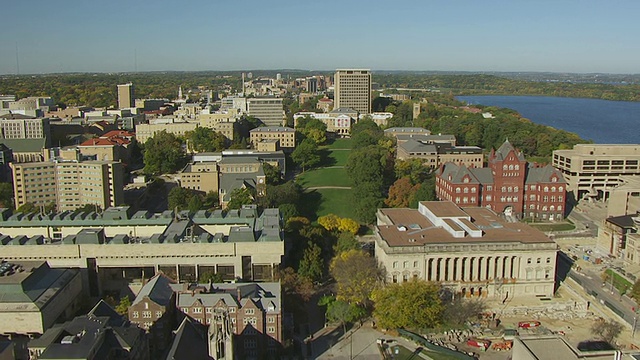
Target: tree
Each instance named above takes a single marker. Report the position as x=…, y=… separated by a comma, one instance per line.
x=400, y=193
x=6, y=195
x=635, y=291
x=425, y=192
x=211, y=200
x=607, y=330
x=294, y=284
x=356, y=274
x=195, y=203
x=346, y=241
x=288, y=193
x=179, y=198
x=123, y=306
x=306, y=154
x=459, y=310
x=332, y=222
x=288, y=211
x=27, y=208
x=413, y=305
x=311, y=263
x=272, y=174
x=239, y=197
x=340, y=311
x=215, y=278
x=203, y=139
x=163, y=153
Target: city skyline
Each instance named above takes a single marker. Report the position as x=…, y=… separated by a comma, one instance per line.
x=121, y=36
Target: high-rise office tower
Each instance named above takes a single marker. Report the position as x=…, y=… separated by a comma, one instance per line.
x=353, y=89
x=125, y=96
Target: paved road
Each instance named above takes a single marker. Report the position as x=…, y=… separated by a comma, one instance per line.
x=592, y=284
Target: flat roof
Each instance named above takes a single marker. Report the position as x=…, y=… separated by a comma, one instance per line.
x=444, y=209
x=400, y=232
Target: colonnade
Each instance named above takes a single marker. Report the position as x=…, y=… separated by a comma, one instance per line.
x=472, y=268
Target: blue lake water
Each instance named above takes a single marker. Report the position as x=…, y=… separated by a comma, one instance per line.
x=603, y=121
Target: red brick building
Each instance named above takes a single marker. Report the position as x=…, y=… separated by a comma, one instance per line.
x=509, y=185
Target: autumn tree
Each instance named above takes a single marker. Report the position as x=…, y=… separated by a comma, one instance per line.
x=356, y=274
x=123, y=306
x=459, y=310
x=409, y=305
x=332, y=222
x=400, y=193
x=293, y=284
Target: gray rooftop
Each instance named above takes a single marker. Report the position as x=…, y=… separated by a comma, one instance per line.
x=158, y=289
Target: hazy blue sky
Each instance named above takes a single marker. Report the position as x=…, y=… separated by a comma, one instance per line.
x=468, y=35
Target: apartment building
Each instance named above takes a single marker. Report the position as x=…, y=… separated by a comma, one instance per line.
x=593, y=170
x=471, y=251
x=126, y=98
x=508, y=185
x=14, y=126
x=268, y=110
x=352, y=89
x=286, y=136
x=68, y=184
x=253, y=312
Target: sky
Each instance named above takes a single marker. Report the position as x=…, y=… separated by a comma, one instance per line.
x=449, y=35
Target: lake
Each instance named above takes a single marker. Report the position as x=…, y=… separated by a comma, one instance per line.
x=603, y=121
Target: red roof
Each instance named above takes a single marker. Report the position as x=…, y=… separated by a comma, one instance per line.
x=118, y=133
x=98, y=142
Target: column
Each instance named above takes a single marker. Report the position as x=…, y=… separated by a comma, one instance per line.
x=492, y=268
x=458, y=269
x=499, y=267
x=507, y=267
x=467, y=269
x=443, y=266
x=516, y=267
x=450, y=276
x=483, y=269
x=434, y=269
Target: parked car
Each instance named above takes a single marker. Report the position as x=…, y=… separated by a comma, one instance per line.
x=528, y=324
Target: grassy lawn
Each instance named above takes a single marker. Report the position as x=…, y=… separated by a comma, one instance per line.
x=338, y=157
x=324, y=177
x=619, y=282
x=553, y=227
x=340, y=144
x=327, y=201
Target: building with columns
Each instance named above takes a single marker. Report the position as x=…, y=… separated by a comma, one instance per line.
x=472, y=251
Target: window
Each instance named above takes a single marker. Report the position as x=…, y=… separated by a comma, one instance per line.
x=548, y=260
x=185, y=310
x=197, y=310
x=517, y=167
x=488, y=197
x=135, y=314
x=415, y=264
x=209, y=310
x=271, y=329
x=146, y=314
x=271, y=319
x=538, y=261
x=529, y=261
x=158, y=314
x=405, y=264
x=395, y=264
x=249, y=311
x=458, y=190
x=232, y=310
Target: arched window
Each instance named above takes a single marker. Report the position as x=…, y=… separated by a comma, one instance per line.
x=466, y=190
x=515, y=189
x=510, y=167
x=458, y=190
x=546, y=189
x=560, y=188
x=517, y=167
x=504, y=189
x=510, y=189
x=504, y=167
